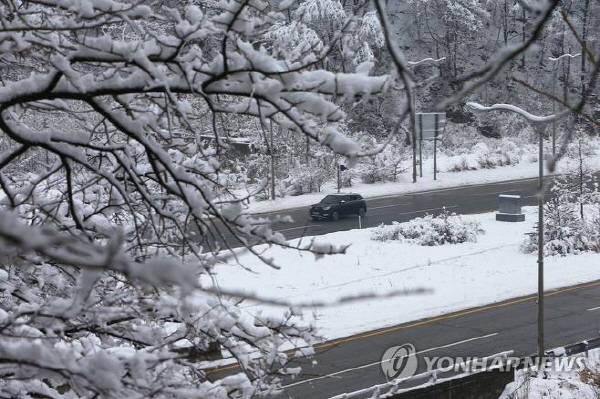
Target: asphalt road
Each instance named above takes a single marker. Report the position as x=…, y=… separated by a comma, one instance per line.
x=401, y=208
x=461, y=200
x=354, y=363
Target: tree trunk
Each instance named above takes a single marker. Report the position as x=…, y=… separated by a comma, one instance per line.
x=584, y=44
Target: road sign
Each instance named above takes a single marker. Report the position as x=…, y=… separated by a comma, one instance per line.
x=430, y=126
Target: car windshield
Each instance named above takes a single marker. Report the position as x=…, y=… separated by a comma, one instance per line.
x=331, y=199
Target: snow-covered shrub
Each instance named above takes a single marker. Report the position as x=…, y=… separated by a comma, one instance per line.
x=565, y=230
x=384, y=166
x=458, y=138
x=372, y=172
x=486, y=162
x=462, y=164
x=506, y=153
x=559, y=238
x=305, y=179
x=430, y=230
x=257, y=167
x=263, y=194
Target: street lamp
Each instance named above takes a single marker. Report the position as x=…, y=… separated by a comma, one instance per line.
x=539, y=124
x=554, y=68
x=414, y=133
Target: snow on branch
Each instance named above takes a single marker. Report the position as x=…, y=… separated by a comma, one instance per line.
x=413, y=63
x=533, y=119
x=112, y=208
x=564, y=56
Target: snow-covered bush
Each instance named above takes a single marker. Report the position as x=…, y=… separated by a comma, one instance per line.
x=430, y=230
x=372, y=172
x=461, y=165
x=567, y=230
x=305, y=179
x=506, y=153
x=384, y=166
x=563, y=232
x=459, y=137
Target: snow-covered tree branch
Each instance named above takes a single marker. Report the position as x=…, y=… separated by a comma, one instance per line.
x=105, y=237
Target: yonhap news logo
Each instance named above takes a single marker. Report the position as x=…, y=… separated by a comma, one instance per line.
x=401, y=361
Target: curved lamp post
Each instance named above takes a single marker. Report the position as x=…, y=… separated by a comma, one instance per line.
x=539, y=124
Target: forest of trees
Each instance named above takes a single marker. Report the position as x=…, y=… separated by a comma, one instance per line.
x=463, y=36
x=103, y=174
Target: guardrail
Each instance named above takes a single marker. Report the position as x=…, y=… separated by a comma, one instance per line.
x=390, y=388
x=430, y=378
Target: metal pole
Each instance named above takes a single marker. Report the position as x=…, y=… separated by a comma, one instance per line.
x=434, y=159
x=541, y=246
x=414, y=137
x=435, y=148
x=554, y=112
x=272, y=150
x=420, y=158
x=420, y=145
x=337, y=167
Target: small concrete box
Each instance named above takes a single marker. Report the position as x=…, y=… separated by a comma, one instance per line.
x=510, y=209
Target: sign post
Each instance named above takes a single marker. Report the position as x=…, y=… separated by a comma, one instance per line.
x=435, y=149
x=431, y=127
x=420, y=146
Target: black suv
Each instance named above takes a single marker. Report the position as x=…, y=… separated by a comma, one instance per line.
x=335, y=205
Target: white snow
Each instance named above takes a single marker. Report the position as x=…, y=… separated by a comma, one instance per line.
x=460, y=276
x=534, y=119
x=572, y=384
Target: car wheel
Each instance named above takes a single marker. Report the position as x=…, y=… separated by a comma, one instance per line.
x=335, y=216
x=313, y=218
x=362, y=212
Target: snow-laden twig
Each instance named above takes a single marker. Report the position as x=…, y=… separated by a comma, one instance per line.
x=564, y=56
x=533, y=119
x=412, y=63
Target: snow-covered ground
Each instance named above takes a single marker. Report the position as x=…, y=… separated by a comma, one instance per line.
x=526, y=168
x=459, y=276
x=573, y=384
